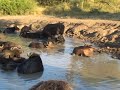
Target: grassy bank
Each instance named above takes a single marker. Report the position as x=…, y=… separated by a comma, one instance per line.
x=17, y=7
x=97, y=9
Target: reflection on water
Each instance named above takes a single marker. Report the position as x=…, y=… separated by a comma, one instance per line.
x=30, y=76
x=99, y=72
x=96, y=67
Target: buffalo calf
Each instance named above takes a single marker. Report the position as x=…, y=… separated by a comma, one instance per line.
x=11, y=30
x=83, y=51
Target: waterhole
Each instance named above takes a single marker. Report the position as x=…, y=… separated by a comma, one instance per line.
x=99, y=72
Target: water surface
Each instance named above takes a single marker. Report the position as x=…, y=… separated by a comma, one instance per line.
x=99, y=72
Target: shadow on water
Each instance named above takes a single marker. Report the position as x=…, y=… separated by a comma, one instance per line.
x=28, y=77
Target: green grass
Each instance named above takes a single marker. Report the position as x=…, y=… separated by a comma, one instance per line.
x=72, y=8
x=17, y=7
x=58, y=9
x=99, y=9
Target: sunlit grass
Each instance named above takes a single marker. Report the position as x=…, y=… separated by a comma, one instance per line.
x=72, y=8
x=98, y=8
x=17, y=7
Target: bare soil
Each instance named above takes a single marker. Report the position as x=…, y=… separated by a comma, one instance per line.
x=33, y=18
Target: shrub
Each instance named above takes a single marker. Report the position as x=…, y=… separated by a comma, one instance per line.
x=51, y=2
x=16, y=7
x=59, y=9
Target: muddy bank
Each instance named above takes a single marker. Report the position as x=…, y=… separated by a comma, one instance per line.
x=103, y=33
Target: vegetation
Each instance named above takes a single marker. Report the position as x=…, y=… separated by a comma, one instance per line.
x=96, y=9
x=59, y=7
x=16, y=7
x=51, y=2
x=112, y=6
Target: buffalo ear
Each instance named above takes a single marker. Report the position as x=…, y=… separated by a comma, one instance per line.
x=29, y=54
x=1, y=46
x=12, y=48
x=61, y=22
x=45, y=44
x=30, y=26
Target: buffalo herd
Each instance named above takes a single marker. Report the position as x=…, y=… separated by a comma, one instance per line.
x=52, y=34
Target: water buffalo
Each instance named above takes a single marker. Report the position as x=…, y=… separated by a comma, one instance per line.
x=10, y=59
x=32, y=35
x=7, y=45
x=14, y=52
x=42, y=44
x=27, y=32
x=25, y=29
x=52, y=30
x=52, y=85
x=10, y=63
x=11, y=30
x=32, y=65
x=83, y=50
x=58, y=39
x=7, y=64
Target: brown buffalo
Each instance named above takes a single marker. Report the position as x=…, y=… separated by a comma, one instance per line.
x=31, y=65
x=14, y=52
x=10, y=30
x=52, y=30
x=10, y=63
x=43, y=44
x=10, y=59
x=6, y=45
x=7, y=63
x=86, y=50
x=27, y=32
x=52, y=85
x=32, y=35
x=38, y=45
x=25, y=29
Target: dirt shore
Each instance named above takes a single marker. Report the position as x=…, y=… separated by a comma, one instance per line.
x=33, y=18
x=103, y=33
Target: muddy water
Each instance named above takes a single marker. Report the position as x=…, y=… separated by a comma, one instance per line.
x=99, y=72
